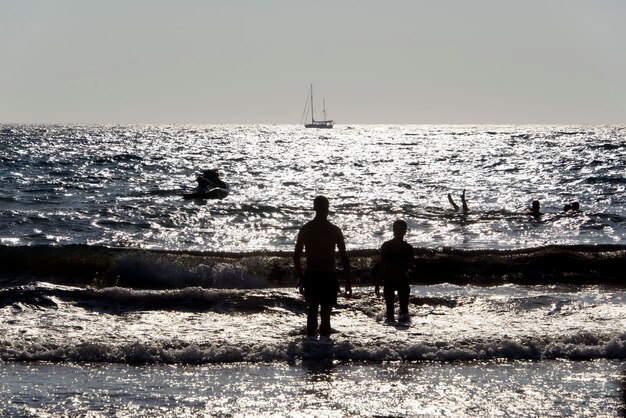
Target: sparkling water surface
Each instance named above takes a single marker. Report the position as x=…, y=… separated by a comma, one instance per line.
x=317, y=388
x=197, y=325
x=122, y=185
x=509, y=350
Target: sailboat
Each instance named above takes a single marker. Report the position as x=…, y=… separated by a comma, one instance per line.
x=324, y=124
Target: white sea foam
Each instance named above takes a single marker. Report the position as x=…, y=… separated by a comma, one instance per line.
x=197, y=325
x=468, y=351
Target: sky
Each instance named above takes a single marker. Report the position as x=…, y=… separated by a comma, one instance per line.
x=248, y=62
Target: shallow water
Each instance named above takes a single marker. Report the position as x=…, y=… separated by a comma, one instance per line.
x=317, y=388
x=44, y=322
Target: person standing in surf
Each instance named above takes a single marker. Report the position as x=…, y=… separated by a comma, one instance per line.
x=319, y=283
x=395, y=264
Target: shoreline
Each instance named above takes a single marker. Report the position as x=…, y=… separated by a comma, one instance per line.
x=319, y=387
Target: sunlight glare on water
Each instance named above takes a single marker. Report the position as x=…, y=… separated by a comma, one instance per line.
x=322, y=388
x=122, y=185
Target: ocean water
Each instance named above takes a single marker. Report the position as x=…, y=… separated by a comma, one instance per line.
x=120, y=298
x=121, y=185
x=514, y=388
x=513, y=350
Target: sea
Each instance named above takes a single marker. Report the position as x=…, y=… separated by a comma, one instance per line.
x=120, y=298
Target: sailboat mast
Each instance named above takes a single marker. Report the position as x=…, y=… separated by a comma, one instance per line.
x=312, y=118
x=320, y=124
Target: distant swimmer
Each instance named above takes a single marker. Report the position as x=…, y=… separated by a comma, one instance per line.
x=396, y=260
x=319, y=283
x=463, y=202
x=535, y=209
x=572, y=207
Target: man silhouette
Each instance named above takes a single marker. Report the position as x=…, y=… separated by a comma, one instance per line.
x=319, y=283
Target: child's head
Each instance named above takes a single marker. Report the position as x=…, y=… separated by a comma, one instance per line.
x=399, y=228
x=536, y=205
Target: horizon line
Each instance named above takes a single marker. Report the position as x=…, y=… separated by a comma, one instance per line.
x=347, y=124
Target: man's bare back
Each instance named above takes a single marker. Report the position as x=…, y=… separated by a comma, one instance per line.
x=319, y=237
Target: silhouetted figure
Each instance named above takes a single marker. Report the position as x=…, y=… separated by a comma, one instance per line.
x=319, y=282
x=571, y=208
x=535, y=209
x=395, y=263
x=203, y=185
x=209, y=180
x=463, y=202
x=210, y=186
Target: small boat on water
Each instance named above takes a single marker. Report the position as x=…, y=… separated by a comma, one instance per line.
x=214, y=193
x=209, y=187
x=322, y=124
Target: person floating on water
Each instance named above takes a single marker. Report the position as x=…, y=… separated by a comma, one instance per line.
x=573, y=207
x=209, y=179
x=463, y=202
x=395, y=264
x=319, y=283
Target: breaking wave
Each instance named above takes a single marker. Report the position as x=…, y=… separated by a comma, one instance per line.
x=155, y=269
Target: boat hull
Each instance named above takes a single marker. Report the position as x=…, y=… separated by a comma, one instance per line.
x=320, y=125
x=215, y=193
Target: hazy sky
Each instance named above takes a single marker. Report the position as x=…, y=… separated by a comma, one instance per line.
x=393, y=61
